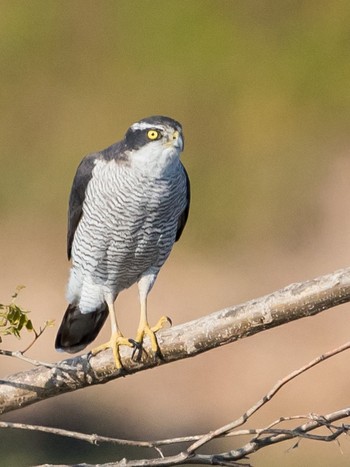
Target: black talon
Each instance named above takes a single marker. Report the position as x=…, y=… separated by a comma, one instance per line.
x=160, y=355
x=137, y=347
x=122, y=372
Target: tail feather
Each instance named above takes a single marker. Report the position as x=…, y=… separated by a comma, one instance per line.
x=77, y=330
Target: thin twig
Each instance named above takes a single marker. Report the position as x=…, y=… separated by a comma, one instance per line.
x=241, y=420
x=92, y=439
x=19, y=354
x=230, y=458
x=96, y=439
x=298, y=432
x=37, y=334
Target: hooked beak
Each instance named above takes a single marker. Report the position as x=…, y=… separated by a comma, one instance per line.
x=177, y=140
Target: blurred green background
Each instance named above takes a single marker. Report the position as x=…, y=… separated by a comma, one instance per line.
x=262, y=91
x=261, y=88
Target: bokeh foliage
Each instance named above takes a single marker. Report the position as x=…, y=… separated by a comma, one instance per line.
x=261, y=88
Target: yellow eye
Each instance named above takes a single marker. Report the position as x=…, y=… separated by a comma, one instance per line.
x=153, y=134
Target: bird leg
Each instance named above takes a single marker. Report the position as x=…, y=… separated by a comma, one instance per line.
x=144, y=329
x=117, y=339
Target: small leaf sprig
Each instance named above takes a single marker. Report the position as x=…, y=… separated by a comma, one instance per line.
x=14, y=318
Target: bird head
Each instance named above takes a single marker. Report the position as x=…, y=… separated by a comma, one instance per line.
x=154, y=139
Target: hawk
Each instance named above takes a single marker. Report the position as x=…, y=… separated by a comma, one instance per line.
x=128, y=205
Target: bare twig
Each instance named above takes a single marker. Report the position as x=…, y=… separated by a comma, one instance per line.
x=241, y=420
x=96, y=439
x=230, y=458
x=19, y=354
x=37, y=334
x=299, y=432
x=92, y=439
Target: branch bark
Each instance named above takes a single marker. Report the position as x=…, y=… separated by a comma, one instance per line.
x=293, y=302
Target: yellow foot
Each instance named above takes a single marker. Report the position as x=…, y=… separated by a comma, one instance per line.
x=116, y=340
x=146, y=330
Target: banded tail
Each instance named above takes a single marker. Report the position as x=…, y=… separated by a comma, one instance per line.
x=77, y=330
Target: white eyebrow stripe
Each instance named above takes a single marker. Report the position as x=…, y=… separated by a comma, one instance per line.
x=145, y=125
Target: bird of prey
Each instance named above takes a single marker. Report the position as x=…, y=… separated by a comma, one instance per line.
x=128, y=205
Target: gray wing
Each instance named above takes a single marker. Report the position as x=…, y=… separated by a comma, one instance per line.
x=184, y=215
x=77, y=196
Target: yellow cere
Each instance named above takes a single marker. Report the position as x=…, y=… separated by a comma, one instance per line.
x=153, y=134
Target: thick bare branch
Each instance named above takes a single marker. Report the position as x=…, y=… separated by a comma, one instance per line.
x=187, y=340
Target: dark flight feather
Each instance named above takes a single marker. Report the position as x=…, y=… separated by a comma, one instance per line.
x=184, y=215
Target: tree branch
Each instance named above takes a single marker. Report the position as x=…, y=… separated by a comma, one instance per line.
x=20, y=355
x=229, y=430
x=295, y=301
x=226, y=429
x=230, y=458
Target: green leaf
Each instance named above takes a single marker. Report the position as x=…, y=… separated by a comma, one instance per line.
x=29, y=325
